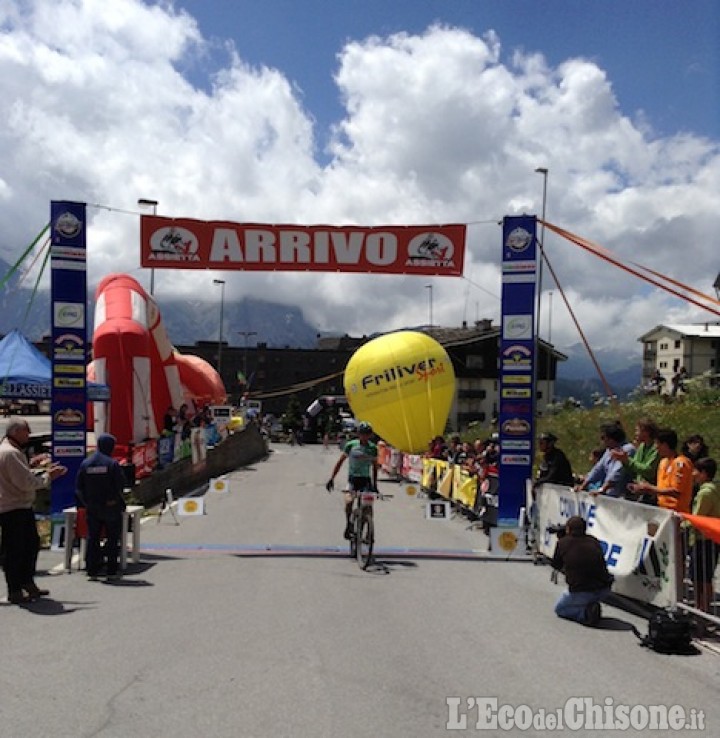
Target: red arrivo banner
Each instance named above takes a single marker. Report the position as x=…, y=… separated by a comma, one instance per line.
x=182, y=243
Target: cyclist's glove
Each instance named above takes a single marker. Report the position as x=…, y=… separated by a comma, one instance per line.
x=330, y=486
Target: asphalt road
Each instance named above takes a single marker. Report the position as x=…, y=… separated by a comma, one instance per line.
x=217, y=633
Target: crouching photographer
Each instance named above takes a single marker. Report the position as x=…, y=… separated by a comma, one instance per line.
x=580, y=557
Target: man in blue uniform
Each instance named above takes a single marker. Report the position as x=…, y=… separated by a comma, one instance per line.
x=362, y=454
x=99, y=488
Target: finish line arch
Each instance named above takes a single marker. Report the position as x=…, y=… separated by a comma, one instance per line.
x=433, y=250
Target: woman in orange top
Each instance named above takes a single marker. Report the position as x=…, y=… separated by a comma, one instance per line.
x=674, y=476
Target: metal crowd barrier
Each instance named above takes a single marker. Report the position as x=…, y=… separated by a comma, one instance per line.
x=701, y=580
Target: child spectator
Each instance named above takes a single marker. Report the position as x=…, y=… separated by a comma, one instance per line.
x=703, y=551
x=694, y=448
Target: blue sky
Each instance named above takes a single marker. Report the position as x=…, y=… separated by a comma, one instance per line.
x=365, y=112
x=662, y=56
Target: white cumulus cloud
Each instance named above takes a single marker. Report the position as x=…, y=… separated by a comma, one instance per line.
x=101, y=107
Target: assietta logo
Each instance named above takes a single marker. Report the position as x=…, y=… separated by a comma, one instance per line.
x=174, y=244
x=431, y=249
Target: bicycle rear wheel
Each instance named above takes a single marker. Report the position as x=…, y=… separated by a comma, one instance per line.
x=365, y=540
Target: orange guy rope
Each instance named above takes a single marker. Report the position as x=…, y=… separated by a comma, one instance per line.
x=612, y=259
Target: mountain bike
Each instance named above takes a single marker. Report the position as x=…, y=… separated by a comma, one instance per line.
x=362, y=526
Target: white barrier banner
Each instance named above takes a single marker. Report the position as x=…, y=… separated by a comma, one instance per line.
x=639, y=541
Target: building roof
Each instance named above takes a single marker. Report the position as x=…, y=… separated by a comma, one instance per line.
x=687, y=330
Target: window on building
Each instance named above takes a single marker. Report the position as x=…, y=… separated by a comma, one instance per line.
x=677, y=344
x=664, y=346
x=676, y=365
x=663, y=364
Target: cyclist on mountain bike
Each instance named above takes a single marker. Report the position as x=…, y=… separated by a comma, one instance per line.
x=362, y=454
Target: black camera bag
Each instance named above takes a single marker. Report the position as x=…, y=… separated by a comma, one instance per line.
x=669, y=631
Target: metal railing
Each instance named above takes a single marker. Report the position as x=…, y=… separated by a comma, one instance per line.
x=700, y=580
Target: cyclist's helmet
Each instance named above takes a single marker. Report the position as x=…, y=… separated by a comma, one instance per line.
x=364, y=427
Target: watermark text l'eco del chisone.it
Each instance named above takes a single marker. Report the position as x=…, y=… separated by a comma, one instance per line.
x=578, y=713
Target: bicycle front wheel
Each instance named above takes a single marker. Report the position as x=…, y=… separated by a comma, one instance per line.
x=353, y=543
x=365, y=540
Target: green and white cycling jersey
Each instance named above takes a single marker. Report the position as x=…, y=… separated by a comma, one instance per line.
x=361, y=457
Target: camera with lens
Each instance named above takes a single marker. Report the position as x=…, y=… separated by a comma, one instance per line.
x=557, y=530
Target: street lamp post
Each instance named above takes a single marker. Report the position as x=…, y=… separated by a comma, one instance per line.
x=145, y=203
x=429, y=287
x=246, y=335
x=550, y=299
x=221, y=282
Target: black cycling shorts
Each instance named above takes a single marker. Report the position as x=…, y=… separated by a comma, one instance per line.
x=359, y=484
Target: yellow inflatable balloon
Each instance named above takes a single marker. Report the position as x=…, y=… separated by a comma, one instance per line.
x=403, y=385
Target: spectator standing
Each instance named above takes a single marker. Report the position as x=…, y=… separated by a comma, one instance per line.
x=18, y=488
x=674, y=477
x=169, y=421
x=181, y=417
x=99, y=488
x=491, y=454
x=609, y=473
x=438, y=448
x=469, y=458
x=678, y=381
x=657, y=381
x=695, y=448
x=643, y=464
x=455, y=451
x=554, y=467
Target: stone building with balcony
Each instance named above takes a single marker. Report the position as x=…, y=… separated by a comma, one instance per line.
x=667, y=348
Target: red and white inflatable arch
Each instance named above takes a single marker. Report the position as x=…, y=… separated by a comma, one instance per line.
x=146, y=375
